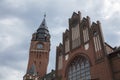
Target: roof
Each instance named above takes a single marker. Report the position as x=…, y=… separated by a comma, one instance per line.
x=49, y=76
x=42, y=33
x=109, y=45
x=43, y=24
x=115, y=53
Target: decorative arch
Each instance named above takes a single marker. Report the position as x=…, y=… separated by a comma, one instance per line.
x=78, y=68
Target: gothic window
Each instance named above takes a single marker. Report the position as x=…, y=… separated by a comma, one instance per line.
x=79, y=69
x=40, y=64
x=95, y=33
x=67, y=45
x=75, y=36
x=96, y=40
x=34, y=62
x=60, y=63
x=39, y=55
x=85, y=35
x=97, y=44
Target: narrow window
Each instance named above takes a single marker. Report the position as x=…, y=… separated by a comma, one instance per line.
x=85, y=35
x=67, y=45
x=60, y=62
x=96, y=40
x=75, y=36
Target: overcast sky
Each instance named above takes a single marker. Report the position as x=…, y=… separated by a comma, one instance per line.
x=20, y=18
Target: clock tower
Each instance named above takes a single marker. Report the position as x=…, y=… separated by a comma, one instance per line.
x=38, y=53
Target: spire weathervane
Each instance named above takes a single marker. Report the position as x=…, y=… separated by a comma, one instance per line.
x=45, y=15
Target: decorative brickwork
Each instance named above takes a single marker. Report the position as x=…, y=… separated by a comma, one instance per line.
x=86, y=40
x=39, y=53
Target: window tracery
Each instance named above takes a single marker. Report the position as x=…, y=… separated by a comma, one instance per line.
x=79, y=69
x=75, y=36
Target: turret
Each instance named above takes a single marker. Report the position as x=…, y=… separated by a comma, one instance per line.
x=42, y=33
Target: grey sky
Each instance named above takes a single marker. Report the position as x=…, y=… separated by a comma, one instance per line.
x=20, y=18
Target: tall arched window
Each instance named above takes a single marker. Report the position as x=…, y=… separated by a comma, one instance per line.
x=79, y=69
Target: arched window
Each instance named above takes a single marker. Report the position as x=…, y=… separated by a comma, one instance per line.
x=79, y=69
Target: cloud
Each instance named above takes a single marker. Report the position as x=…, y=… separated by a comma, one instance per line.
x=10, y=74
x=12, y=30
x=13, y=48
x=111, y=7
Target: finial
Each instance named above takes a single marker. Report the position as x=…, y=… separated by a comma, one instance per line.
x=44, y=15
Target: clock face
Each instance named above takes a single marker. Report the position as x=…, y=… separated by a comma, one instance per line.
x=39, y=46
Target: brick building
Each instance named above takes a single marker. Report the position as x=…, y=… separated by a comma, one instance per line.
x=39, y=53
x=83, y=53
x=49, y=76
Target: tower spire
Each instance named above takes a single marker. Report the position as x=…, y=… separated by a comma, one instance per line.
x=42, y=33
x=45, y=15
x=43, y=24
x=39, y=53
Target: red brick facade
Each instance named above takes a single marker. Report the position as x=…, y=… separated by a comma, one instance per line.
x=115, y=64
x=90, y=45
x=82, y=55
x=38, y=53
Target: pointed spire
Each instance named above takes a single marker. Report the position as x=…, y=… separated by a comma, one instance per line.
x=42, y=33
x=45, y=15
x=43, y=24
